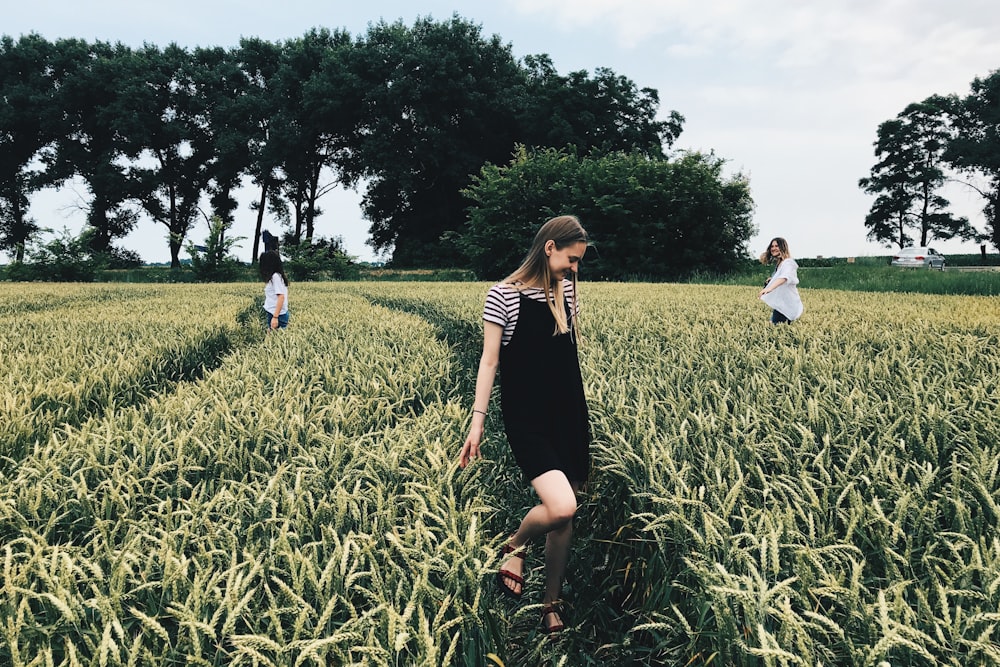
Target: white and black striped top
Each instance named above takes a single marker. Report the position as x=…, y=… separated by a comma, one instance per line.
x=503, y=304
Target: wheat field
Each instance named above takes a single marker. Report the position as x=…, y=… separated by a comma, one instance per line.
x=177, y=488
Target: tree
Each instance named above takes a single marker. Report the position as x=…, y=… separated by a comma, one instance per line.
x=442, y=101
x=27, y=85
x=606, y=111
x=975, y=148
x=88, y=139
x=227, y=127
x=218, y=110
x=647, y=217
x=908, y=177
x=259, y=61
x=172, y=171
x=310, y=129
x=439, y=102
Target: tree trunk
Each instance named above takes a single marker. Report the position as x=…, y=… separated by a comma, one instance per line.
x=924, y=214
x=993, y=214
x=175, y=253
x=298, y=220
x=311, y=204
x=260, y=222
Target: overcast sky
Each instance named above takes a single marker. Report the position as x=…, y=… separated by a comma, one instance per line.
x=789, y=92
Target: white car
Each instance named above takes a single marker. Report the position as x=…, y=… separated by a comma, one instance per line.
x=919, y=258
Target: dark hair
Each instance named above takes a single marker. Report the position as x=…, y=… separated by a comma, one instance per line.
x=270, y=241
x=270, y=263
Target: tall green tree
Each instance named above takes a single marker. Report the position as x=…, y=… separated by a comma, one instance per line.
x=975, y=148
x=28, y=82
x=172, y=172
x=88, y=138
x=440, y=101
x=909, y=176
x=647, y=217
x=259, y=61
x=218, y=112
x=606, y=111
x=310, y=128
x=226, y=127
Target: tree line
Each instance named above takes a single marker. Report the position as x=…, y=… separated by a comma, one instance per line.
x=412, y=114
x=927, y=145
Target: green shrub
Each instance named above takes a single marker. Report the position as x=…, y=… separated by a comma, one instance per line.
x=119, y=258
x=66, y=258
x=213, y=262
x=321, y=258
x=654, y=218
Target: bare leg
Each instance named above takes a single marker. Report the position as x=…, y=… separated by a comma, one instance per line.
x=556, y=557
x=554, y=517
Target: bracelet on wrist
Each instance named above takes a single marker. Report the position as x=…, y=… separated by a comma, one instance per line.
x=480, y=412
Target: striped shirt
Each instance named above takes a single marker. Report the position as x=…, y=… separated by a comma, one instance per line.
x=503, y=303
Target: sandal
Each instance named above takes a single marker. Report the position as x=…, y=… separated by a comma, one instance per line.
x=504, y=575
x=555, y=628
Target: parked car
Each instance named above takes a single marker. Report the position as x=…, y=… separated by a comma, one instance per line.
x=919, y=258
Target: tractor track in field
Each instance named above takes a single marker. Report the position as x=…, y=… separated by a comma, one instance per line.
x=162, y=374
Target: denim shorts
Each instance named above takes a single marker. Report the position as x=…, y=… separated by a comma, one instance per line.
x=282, y=320
x=779, y=318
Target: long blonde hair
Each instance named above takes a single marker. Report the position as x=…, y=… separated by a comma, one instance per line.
x=562, y=230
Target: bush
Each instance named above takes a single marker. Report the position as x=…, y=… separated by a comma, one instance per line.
x=652, y=218
x=119, y=259
x=977, y=259
x=212, y=262
x=66, y=258
x=319, y=259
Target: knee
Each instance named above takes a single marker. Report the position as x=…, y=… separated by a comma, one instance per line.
x=561, y=511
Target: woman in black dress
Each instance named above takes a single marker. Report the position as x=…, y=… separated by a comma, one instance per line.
x=530, y=335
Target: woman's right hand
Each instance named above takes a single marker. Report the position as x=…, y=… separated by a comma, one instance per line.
x=470, y=450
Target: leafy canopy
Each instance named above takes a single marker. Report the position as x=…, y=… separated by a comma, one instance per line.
x=647, y=218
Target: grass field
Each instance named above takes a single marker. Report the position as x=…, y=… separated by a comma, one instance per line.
x=867, y=277
x=178, y=488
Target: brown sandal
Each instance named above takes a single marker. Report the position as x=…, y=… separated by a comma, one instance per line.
x=504, y=575
x=556, y=627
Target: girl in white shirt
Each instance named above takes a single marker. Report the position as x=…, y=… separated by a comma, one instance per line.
x=272, y=272
x=780, y=291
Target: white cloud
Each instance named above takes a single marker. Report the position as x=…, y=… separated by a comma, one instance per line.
x=792, y=93
x=863, y=36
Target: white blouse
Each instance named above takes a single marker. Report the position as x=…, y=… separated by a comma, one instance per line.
x=785, y=297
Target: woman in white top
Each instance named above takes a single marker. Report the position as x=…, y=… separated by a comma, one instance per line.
x=272, y=272
x=780, y=291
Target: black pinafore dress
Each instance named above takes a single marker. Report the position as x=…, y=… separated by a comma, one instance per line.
x=541, y=396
